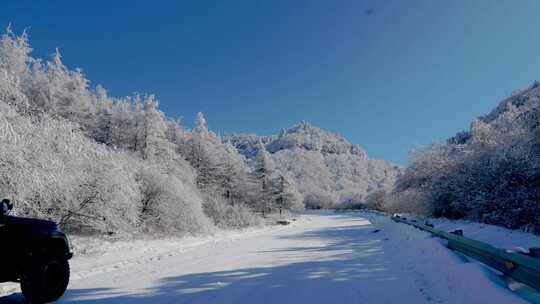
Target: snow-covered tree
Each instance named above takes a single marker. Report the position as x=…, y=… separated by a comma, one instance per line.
x=326, y=169
x=151, y=128
x=286, y=195
x=68, y=92
x=488, y=173
x=101, y=130
x=236, y=181
x=204, y=156
x=15, y=56
x=123, y=126
x=91, y=162
x=263, y=171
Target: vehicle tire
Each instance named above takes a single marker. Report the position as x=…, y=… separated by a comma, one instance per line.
x=45, y=280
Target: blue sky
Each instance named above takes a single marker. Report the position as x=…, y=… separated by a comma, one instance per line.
x=388, y=75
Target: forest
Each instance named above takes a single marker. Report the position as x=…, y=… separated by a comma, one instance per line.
x=99, y=164
x=489, y=174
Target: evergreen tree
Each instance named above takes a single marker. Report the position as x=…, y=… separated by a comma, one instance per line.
x=102, y=126
x=263, y=171
x=285, y=194
x=69, y=93
x=205, y=157
x=152, y=128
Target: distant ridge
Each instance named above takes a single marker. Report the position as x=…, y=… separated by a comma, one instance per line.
x=328, y=170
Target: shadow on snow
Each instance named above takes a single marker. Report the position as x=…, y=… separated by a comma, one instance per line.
x=353, y=259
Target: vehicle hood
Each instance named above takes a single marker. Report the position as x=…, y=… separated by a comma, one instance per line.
x=31, y=223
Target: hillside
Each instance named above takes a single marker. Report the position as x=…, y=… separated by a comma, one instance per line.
x=98, y=164
x=489, y=173
x=327, y=170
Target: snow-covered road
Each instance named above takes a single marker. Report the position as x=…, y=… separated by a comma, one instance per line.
x=323, y=258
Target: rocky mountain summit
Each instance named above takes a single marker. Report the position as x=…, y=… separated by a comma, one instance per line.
x=327, y=169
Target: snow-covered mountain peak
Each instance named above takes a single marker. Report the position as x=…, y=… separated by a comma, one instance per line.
x=326, y=168
x=309, y=137
x=303, y=127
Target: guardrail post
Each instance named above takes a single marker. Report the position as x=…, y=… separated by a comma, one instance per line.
x=534, y=252
x=457, y=232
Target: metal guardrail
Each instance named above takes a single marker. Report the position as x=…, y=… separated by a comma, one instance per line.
x=522, y=267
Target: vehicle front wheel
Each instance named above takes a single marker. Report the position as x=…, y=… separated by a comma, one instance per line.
x=45, y=280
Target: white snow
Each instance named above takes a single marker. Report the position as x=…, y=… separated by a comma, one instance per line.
x=495, y=235
x=322, y=258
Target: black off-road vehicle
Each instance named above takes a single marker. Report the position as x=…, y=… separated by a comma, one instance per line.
x=35, y=253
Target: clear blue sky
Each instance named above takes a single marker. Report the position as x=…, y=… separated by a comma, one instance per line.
x=388, y=75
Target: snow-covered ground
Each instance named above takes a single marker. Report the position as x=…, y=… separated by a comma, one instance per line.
x=494, y=235
x=321, y=258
